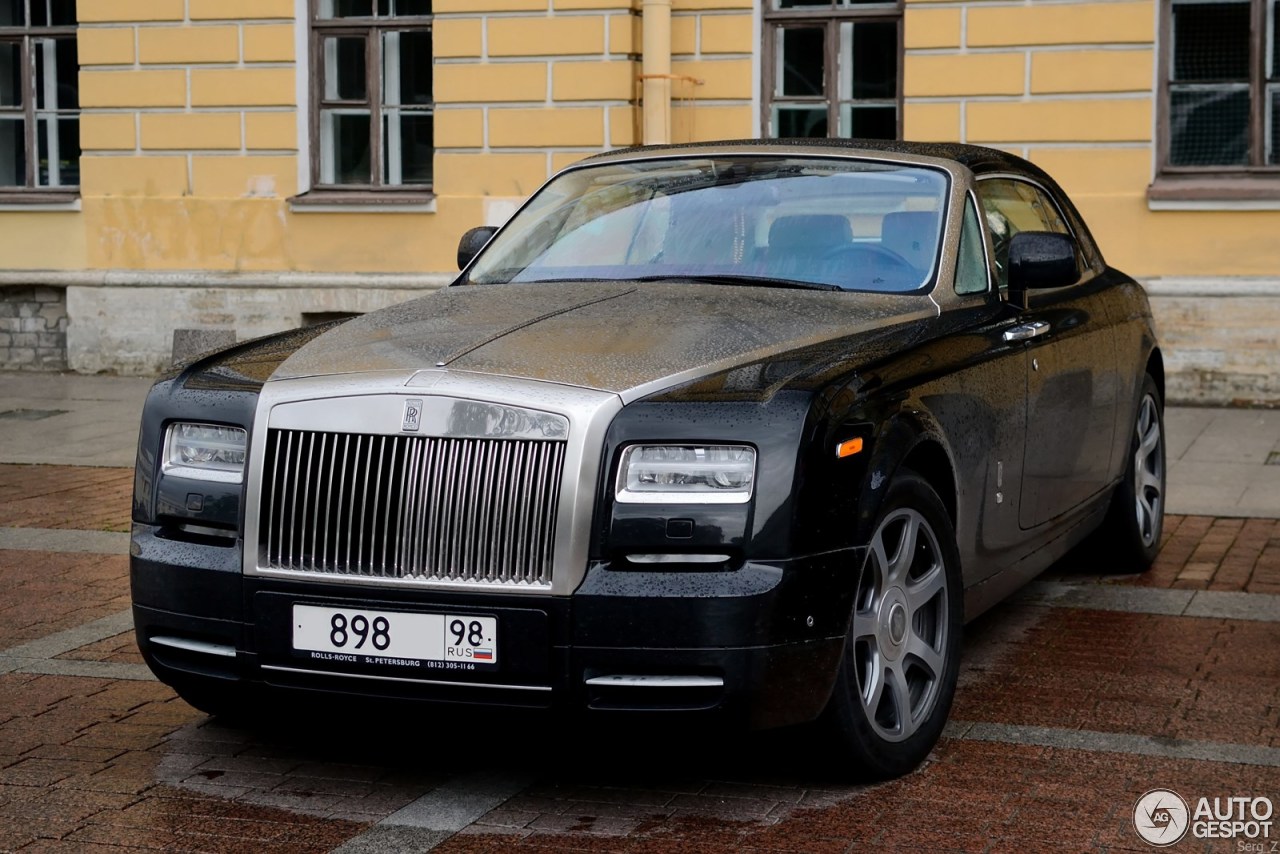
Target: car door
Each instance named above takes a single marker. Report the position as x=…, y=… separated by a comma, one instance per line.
x=984, y=411
x=1070, y=353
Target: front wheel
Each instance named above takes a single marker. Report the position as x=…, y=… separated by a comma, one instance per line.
x=901, y=657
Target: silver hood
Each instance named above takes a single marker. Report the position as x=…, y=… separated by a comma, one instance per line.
x=627, y=338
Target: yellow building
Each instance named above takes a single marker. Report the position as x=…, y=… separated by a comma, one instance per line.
x=254, y=164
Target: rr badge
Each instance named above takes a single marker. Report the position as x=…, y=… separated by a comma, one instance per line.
x=412, y=416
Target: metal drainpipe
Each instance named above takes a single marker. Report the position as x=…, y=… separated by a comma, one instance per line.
x=656, y=70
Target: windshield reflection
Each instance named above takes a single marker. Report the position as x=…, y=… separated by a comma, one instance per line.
x=787, y=221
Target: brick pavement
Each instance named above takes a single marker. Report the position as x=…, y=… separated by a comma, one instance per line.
x=80, y=758
x=117, y=764
x=1196, y=553
x=90, y=499
x=1164, y=677
x=86, y=761
x=46, y=592
x=970, y=797
x=118, y=649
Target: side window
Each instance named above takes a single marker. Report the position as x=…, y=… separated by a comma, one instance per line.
x=971, y=260
x=1011, y=206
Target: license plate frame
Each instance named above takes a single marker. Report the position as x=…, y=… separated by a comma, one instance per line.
x=374, y=637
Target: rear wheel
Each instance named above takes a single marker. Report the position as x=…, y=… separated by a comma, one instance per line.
x=901, y=657
x=1130, y=536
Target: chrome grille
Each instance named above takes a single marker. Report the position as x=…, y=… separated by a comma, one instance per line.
x=410, y=508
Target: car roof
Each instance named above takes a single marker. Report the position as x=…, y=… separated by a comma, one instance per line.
x=978, y=159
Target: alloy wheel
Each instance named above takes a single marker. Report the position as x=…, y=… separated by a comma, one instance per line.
x=900, y=625
x=1148, y=471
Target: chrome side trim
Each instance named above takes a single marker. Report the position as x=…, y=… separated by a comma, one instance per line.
x=306, y=672
x=340, y=399
x=202, y=647
x=638, y=681
x=672, y=558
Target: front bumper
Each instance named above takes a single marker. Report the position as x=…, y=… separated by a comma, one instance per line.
x=757, y=646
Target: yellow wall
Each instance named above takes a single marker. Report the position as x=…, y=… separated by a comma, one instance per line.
x=191, y=126
x=522, y=93
x=42, y=240
x=189, y=134
x=1071, y=87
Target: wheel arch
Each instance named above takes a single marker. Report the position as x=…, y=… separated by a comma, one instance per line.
x=929, y=460
x=1155, y=367
x=909, y=439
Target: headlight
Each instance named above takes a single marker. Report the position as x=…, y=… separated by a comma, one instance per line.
x=205, y=452
x=684, y=474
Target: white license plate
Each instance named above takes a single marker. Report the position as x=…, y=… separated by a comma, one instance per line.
x=394, y=637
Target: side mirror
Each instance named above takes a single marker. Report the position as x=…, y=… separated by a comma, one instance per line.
x=472, y=242
x=1040, y=259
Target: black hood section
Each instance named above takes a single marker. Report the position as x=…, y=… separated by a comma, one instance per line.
x=612, y=336
x=247, y=365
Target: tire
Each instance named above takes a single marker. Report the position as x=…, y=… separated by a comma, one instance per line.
x=1129, y=537
x=897, y=675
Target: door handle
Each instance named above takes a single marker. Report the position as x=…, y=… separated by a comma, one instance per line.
x=1027, y=331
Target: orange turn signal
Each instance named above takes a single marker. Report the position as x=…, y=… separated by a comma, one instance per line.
x=849, y=448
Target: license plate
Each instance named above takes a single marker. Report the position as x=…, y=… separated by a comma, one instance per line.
x=395, y=638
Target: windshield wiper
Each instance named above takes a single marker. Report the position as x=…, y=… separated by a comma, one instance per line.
x=746, y=281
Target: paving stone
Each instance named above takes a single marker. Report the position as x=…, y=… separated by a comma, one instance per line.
x=69, y=591
x=91, y=499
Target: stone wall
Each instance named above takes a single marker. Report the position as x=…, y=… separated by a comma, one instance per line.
x=33, y=329
x=100, y=341
x=1219, y=340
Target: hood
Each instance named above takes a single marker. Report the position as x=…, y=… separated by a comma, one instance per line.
x=626, y=338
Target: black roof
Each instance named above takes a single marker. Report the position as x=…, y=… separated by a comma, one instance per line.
x=977, y=158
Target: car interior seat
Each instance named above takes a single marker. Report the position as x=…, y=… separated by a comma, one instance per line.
x=912, y=235
x=798, y=244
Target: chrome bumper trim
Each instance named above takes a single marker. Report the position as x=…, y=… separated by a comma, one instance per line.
x=639, y=681
x=202, y=647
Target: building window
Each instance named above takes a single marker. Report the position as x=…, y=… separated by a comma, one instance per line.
x=373, y=111
x=1220, y=99
x=39, y=97
x=833, y=68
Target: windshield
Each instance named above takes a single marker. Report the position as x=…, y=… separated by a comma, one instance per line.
x=787, y=221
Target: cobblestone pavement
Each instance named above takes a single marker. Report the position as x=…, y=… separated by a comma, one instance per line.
x=1076, y=697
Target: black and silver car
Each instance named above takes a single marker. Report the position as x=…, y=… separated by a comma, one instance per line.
x=745, y=431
